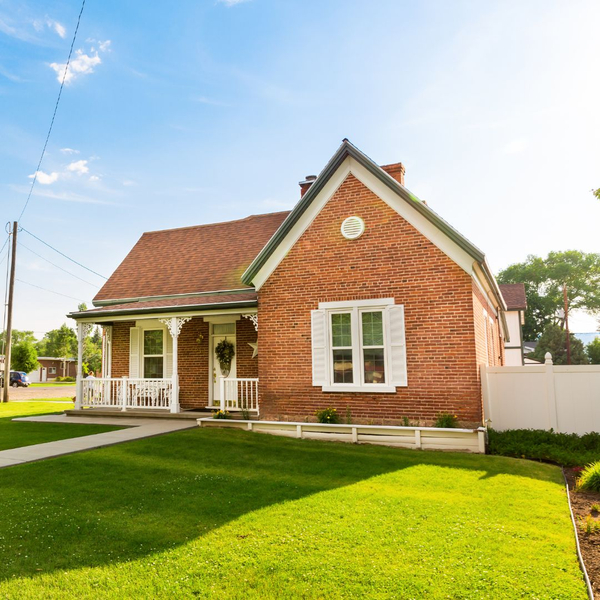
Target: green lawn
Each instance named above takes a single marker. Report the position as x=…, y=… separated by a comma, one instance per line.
x=14, y=434
x=231, y=514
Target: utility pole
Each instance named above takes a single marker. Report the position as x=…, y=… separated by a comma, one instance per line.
x=566, y=300
x=11, y=290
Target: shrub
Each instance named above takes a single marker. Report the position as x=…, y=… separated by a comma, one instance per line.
x=328, y=415
x=221, y=414
x=590, y=478
x=589, y=524
x=245, y=414
x=446, y=420
x=64, y=379
x=566, y=449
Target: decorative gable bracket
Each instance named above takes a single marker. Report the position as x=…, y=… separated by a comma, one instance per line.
x=254, y=318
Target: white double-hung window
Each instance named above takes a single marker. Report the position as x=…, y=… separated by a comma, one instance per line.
x=359, y=346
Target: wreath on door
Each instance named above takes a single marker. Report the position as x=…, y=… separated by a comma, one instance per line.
x=225, y=351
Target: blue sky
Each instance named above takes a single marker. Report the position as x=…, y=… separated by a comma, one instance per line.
x=199, y=111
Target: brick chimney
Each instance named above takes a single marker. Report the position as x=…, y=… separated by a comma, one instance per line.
x=304, y=185
x=396, y=170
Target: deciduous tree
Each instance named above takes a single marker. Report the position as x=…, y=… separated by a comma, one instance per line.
x=544, y=279
x=554, y=340
x=24, y=357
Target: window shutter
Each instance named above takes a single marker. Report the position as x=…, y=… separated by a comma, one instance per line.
x=134, y=352
x=168, y=345
x=397, y=342
x=319, y=346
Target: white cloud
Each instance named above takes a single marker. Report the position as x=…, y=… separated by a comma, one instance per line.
x=231, y=2
x=94, y=178
x=60, y=29
x=79, y=166
x=128, y=182
x=516, y=146
x=82, y=64
x=209, y=101
x=45, y=178
x=69, y=151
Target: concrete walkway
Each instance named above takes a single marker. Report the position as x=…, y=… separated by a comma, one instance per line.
x=135, y=429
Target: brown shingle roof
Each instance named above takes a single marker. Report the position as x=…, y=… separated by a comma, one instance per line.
x=248, y=298
x=189, y=260
x=514, y=295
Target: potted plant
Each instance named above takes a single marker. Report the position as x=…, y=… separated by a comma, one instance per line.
x=225, y=351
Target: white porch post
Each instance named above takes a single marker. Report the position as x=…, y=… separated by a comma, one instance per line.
x=79, y=385
x=175, y=334
x=82, y=332
x=174, y=325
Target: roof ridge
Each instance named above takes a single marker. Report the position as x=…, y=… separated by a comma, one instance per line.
x=280, y=212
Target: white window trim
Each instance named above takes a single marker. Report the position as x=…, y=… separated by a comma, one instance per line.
x=356, y=308
x=151, y=325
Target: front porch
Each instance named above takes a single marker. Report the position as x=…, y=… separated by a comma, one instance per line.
x=124, y=393
x=166, y=364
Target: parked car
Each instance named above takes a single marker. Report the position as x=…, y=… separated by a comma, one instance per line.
x=17, y=379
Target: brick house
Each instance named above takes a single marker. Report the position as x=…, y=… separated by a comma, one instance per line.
x=361, y=298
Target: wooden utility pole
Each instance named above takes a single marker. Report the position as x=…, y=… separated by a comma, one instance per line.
x=566, y=300
x=11, y=290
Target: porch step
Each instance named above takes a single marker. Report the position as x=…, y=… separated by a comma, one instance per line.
x=137, y=412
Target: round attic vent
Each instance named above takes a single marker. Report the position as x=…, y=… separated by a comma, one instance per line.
x=352, y=228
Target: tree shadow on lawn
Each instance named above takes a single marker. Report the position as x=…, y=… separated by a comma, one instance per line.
x=124, y=502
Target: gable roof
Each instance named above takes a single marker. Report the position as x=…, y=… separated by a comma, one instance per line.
x=189, y=260
x=514, y=295
x=348, y=150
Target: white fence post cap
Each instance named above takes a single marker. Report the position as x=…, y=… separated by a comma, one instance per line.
x=548, y=358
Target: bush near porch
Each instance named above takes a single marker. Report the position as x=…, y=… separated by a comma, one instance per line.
x=230, y=514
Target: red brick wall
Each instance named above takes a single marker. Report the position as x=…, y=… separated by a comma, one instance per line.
x=495, y=344
x=192, y=357
x=391, y=259
x=120, y=348
x=244, y=334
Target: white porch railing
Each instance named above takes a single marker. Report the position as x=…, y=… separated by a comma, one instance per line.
x=126, y=393
x=238, y=393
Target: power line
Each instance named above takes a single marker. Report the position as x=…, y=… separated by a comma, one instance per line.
x=62, y=253
x=47, y=290
x=55, y=265
x=62, y=84
x=5, y=241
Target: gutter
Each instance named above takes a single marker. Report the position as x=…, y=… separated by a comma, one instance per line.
x=159, y=309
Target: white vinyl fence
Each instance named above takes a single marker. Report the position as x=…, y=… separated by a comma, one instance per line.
x=562, y=398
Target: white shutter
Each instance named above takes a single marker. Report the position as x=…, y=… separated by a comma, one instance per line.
x=397, y=345
x=168, y=349
x=319, y=346
x=134, y=351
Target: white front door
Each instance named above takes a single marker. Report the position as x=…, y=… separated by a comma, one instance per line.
x=216, y=369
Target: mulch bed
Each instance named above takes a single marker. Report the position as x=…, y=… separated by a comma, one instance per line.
x=589, y=542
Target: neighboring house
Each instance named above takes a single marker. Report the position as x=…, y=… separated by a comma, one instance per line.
x=528, y=348
x=361, y=298
x=52, y=367
x=516, y=304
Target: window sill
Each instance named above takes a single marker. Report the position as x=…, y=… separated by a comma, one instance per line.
x=371, y=389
